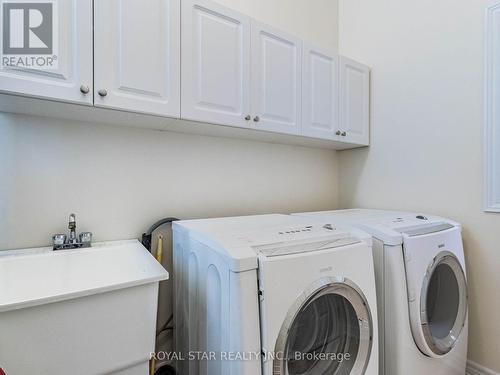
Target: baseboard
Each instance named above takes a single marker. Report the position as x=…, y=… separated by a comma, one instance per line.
x=474, y=369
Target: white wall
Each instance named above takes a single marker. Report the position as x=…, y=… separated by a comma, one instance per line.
x=427, y=118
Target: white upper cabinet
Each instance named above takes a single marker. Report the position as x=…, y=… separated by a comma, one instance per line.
x=71, y=42
x=320, y=115
x=276, y=79
x=137, y=55
x=215, y=64
x=128, y=54
x=354, y=102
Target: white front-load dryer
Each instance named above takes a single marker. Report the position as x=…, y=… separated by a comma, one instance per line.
x=421, y=287
x=274, y=295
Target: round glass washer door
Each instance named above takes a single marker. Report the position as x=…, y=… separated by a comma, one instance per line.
x=327, y=331
x=443, y=303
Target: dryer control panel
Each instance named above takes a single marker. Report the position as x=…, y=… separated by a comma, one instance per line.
x=392, y=228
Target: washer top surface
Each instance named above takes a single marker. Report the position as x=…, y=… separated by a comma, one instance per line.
x=242, y=239
x=387, y=226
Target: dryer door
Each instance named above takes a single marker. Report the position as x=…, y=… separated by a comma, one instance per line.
x=443, y=303
x=327, y=331
x=437, y=290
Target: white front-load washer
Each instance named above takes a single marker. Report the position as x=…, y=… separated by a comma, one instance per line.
x=273, y=295
x=421, y=289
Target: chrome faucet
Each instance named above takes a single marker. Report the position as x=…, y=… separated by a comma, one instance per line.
x=72, y=229
x=61, y=241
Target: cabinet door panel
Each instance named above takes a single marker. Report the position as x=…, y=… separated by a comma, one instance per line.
x=319, y=94
x=137, y=55
x=276, y=79
x=215, y=69
x=355, y=101
x=72, y=32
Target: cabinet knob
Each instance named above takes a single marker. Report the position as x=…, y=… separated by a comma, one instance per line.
x=84, y=89
x=343, y=134
x=102, y=92
x=338, y=132
x=256, y=119
x=247, y=117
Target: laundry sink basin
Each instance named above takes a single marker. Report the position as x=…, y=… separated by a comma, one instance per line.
x=79, y=311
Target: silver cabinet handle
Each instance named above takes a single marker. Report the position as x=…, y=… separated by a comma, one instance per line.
x=102, y=92
x=256, y=119
x=247, y=117
x=338, y=132
x=343, y=134
x=84, y=89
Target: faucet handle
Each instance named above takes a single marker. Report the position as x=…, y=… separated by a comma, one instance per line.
x=58, y=239
x=86, y=238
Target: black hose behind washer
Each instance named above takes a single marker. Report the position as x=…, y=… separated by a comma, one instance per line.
x=146, y=239
x=148, y=236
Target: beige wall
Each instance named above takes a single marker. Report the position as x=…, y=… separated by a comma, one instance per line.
x=314, y=21
x=427, y=113
x=119, y=180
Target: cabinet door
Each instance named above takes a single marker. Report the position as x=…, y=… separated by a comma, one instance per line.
x=354, y=101
x=276, y=79
x=137, y=55
x=71, y=79
x=215, y=64
x=320, y=88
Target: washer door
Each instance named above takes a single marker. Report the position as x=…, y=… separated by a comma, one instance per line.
x=443, y=303
x=327, y=331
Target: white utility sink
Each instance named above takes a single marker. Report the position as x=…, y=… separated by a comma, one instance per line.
x=79, y=311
